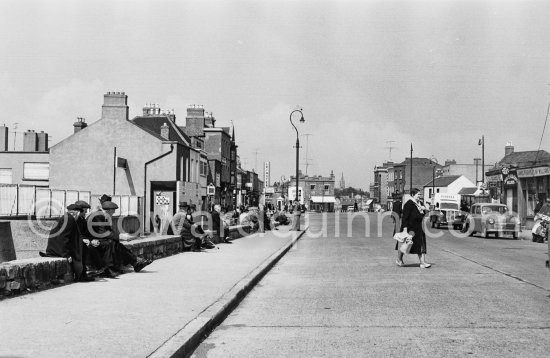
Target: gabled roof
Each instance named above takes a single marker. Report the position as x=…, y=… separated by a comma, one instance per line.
x=443, y=181
x=525, y=159
x=153, y=124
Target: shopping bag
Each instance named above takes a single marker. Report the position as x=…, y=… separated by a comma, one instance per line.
x=406, y=247
x=402, y=236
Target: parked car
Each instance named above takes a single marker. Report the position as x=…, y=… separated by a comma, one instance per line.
x=488, y=218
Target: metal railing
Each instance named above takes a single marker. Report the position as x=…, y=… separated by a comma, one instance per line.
x=23, y=200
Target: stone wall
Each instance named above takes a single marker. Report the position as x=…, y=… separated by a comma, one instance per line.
x=33, y=274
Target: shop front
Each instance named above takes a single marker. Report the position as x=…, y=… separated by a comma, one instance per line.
x=535, y=184
x=519, y=189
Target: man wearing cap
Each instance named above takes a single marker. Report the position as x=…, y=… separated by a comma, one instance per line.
x=91, y=253
x=64, y=241
x=177, y=220
x=115, y=254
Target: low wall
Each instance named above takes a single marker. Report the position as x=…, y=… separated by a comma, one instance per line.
x=36, y=273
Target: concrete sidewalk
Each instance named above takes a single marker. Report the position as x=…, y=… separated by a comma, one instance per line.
x=163, y=310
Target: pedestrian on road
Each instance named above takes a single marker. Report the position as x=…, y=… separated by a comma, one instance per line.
x=412, y=221
x=397, y=210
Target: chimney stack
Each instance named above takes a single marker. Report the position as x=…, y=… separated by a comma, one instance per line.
x=165, y=131
x=80, y=124
x=194, y=122
x=115, y=106
x=42, y=141
x=3, y=138
x=508, y=149
x=30, y=141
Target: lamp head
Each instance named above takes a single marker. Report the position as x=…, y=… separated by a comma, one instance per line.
x=302, y=120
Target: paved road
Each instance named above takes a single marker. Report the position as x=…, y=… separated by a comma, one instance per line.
x=335, y=296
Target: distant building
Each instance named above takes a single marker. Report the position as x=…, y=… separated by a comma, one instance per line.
x=471, y=171
x=449, y=184
x=31, y=165
x=315, y=192
x=342, y=183
x=423, y=170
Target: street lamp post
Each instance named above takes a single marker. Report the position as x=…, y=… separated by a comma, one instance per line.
x=297, y=210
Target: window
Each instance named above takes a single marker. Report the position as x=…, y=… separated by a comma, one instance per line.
x=312, y=187
x=5, y=176
x=36, y=171
x=203, y=168
x=326, y=186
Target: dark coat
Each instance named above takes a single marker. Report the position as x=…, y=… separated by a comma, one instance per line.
x=113, y=253
x=64, y=241
x=189, y=240
x=412, y=219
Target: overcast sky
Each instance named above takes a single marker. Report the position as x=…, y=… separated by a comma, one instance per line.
x=437, y=74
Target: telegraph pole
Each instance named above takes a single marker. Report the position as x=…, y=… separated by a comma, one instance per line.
x=411, y=183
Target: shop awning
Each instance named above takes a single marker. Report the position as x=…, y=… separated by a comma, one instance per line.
x=322, y=199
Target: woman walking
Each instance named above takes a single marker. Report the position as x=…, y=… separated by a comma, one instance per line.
x=412, y=221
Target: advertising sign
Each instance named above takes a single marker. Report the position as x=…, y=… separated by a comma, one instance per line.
x=533, y=172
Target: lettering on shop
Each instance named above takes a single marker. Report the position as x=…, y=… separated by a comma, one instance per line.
x=533, y=172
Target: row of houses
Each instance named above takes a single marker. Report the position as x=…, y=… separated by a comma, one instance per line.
x=151, y=156
x=518, y=180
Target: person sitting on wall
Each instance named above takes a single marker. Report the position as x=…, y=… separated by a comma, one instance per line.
x=115, y=255
x=205, y=243
x=177, y=220
x=103, y=198
x=220, y=228
x=91, y=253
x=193, y=235
x=65, y=241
